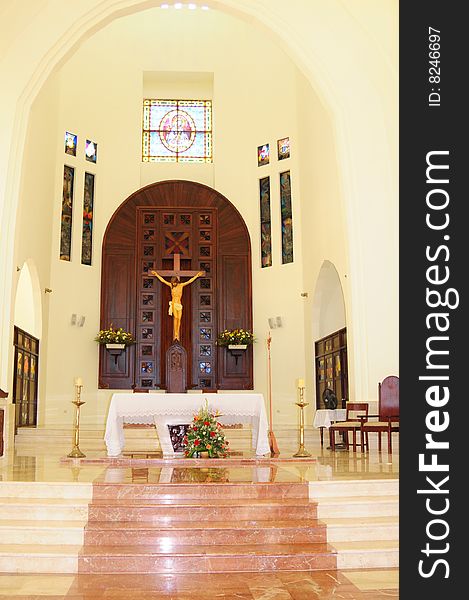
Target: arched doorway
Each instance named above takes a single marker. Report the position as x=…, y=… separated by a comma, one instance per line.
x=153, y=225
x=330, y=335
x=27, y=331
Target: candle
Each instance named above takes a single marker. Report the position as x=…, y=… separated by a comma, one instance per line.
x=78, y=381
x=301, y=383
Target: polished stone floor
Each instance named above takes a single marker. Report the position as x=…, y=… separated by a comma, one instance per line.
x=48, y=464
x=323, y=585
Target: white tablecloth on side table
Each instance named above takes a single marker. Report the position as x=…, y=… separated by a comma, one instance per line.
x=325, y=417
x=151, y=408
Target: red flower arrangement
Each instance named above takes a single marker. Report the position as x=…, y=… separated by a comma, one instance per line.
x=205, y=435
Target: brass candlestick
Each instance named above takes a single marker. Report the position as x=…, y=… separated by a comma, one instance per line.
x=302, y=452
x=76, y=452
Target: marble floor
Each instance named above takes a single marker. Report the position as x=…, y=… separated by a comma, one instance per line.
x=48, y=465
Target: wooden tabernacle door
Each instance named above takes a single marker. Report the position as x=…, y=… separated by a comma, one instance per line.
x=202, y=230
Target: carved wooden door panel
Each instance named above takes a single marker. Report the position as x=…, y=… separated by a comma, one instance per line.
x=161, y=234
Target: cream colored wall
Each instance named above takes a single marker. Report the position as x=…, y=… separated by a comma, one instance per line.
x=348, y=49
x=37, y=210
x=104, y=103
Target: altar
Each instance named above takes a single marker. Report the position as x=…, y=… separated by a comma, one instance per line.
x=174, y=409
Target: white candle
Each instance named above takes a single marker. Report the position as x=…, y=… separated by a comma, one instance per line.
x=78, y=381
x=301, y=383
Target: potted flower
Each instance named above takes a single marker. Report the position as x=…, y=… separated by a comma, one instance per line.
x=205, y=436
x=235, y=339
x=115, y=340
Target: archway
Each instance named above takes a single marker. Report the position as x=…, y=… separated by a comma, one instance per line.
x=329, y=335
x=328, y=302
x=207, y=232
x=28, y=308
x=27, y=331
x=46, y=43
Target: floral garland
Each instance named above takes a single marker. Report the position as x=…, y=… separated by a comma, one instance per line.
x=114, y=336
x=205, y=435
x=235, y=336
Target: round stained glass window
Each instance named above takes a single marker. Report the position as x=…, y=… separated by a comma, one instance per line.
x=177, y=130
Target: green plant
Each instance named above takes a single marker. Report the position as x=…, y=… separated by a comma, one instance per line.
x=205, y=434
x=114, y=336
x=235, y=336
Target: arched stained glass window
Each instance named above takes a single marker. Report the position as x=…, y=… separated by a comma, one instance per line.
x=177, y=131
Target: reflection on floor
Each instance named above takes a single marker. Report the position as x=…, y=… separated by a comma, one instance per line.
x=47, y=465
x=322, y=585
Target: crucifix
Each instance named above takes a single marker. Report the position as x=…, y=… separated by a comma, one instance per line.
x=175, y=304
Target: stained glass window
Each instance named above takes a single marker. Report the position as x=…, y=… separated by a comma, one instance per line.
x=66, y=219
x=87, y=234
x=263, y=155
x=283, y=148
x=286, y=212
x=177, y=131
x=91, y=151
x=70, y=143
x=266, y=234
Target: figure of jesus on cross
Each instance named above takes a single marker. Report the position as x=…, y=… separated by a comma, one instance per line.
x=175, y=304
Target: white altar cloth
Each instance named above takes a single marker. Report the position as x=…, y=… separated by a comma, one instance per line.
x=163, y=409
x=325, y=417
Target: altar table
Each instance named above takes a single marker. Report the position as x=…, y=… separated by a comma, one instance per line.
x=173, y=409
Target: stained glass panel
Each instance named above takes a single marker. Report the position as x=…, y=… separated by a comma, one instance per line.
x=177, y=131
x=283, y=148
x=70, y=143
x=266, y=234
x=263, y=155
x=66, y=219
x=91, y=151
x=87, y=234
x=286, y=212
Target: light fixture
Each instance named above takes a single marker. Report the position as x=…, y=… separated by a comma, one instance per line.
x=178, y=5
x=204, y=7
x=192, y=6
x=165, y=6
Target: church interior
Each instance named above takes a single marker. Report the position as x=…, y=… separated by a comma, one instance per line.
x=199, y=237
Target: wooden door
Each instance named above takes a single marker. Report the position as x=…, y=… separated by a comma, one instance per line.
x=331, y=367
x=195, y=221
x=25, y=378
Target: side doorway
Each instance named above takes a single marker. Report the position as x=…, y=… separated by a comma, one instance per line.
x=25, y=377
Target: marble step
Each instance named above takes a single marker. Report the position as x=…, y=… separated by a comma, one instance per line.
x=41, y=532
x=358, y=506
x=362, y=529
x=206, y=559
x=201, y=510
x=378, y=487
x=51, y=509
x=42, y=489
x=195, y=490
x=371, y=554
x=38, y=558
x=205, y=533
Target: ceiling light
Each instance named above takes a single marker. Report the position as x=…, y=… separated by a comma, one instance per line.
x=178, y=5
x=192, y=6
x=164, y=6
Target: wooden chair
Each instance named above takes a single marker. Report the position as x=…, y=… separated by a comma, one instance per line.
x=357, y=413
x=388, y=408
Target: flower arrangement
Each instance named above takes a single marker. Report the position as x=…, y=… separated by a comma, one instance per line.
x=205, y=435
x=230, y=337
x=114, y=336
